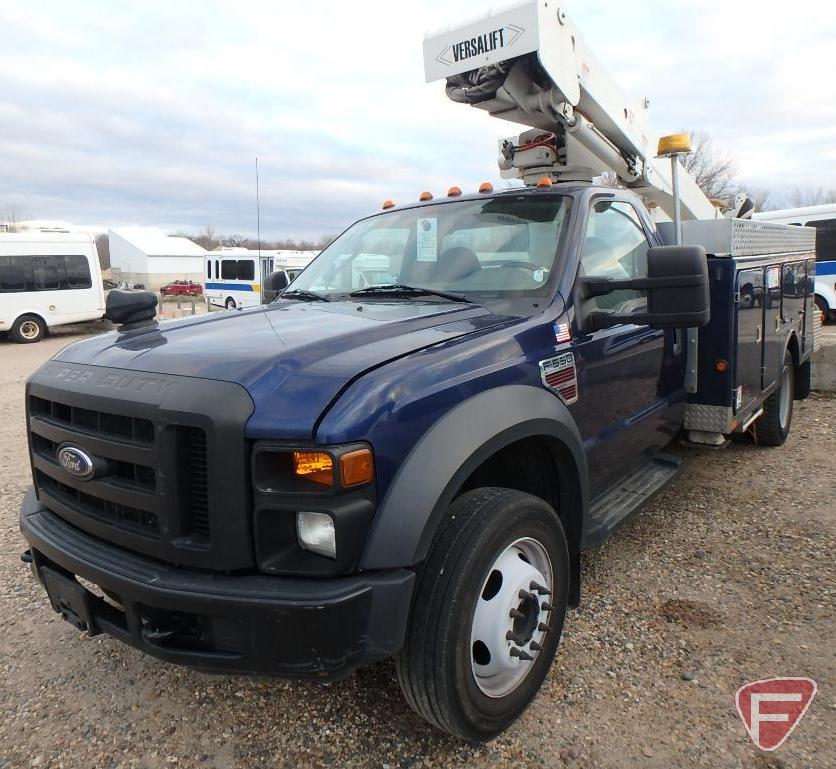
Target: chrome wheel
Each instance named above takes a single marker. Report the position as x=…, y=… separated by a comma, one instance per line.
x=511, y=617
x=30, y=330
x=785, y=403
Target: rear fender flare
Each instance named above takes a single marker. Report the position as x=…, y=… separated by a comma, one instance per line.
x=446, y=455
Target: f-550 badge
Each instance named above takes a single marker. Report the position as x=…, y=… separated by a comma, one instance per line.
x=561, y=375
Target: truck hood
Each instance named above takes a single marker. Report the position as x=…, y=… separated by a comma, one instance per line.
x=293, y=358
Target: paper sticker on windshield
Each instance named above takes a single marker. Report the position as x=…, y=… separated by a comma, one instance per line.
x=427, y=240
x=561, y=375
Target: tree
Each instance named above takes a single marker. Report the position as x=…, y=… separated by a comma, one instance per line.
x=206, y=239
x=801, y=198
x=10, y=220
x=234, y=240
x=714, y=172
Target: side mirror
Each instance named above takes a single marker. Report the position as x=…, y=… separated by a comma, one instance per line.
x=676, y=285
x=273, y=284
x=130, y=308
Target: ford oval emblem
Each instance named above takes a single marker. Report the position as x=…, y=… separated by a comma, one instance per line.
x=76, y=462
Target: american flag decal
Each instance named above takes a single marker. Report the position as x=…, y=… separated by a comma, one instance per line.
x=561, y=375
x=562, y=333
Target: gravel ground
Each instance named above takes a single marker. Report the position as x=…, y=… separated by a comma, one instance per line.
x=726, y=577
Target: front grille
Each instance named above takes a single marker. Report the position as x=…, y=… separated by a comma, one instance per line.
x=125, y=494
x=121, y=516
x=170, y=475
x=195, y=478
x=128, y=473
x=94, y=422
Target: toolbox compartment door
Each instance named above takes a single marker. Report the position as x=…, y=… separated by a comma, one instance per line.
x=750, y=308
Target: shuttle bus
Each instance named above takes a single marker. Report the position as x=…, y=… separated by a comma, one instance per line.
x=823, y=219
x=48, y=279
x=234, y=276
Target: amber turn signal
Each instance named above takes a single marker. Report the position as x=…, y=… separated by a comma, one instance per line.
x=356, y=467
x=721, y=366
x=316, y=466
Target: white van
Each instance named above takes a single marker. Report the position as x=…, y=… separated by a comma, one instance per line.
x=46, y=280
x=823, y=218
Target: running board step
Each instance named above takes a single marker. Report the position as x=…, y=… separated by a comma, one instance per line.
x=622, y=500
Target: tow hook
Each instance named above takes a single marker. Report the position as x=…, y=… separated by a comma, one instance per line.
x=26, y=556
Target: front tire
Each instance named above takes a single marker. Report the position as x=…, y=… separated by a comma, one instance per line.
x=28, y=329
x=230, y=303
x=773, y=427
x=488, y=613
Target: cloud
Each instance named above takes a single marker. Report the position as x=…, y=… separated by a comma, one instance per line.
x=153, y=113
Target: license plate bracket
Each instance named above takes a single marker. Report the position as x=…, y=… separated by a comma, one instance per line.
x=70, y=599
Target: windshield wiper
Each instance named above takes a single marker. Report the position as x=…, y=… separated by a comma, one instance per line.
x=304, y=295
x=401, y=289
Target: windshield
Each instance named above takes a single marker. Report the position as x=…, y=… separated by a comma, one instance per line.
x=503, y=248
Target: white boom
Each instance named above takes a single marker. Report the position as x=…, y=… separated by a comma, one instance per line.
x=530, y=65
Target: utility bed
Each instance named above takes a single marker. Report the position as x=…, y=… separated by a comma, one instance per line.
x=761, y=277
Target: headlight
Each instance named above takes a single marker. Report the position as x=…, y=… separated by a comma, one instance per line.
x=312, y=506
x=316, y=533
x=279, y=470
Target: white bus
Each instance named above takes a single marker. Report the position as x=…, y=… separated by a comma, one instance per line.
x=823, y=218
x=46, y=280
x=234, y=276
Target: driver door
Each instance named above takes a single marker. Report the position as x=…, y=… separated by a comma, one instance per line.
x=631, y=384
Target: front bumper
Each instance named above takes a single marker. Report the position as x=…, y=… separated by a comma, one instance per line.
x=283, y=626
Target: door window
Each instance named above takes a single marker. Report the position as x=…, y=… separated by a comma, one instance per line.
x=615, y=246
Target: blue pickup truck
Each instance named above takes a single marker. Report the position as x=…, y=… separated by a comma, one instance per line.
x=405, y=454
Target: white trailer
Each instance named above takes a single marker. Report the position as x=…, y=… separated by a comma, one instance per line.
x=46, y=280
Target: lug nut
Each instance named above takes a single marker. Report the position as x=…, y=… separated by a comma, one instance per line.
x=545, y=606
x=516, y=614
x=523, y=655
x=510, y=635
x=543, y=627
x=524, y=594
x=539, y=588
x=535, y=646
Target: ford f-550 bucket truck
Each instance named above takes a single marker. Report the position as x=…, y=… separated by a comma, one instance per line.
x=405, y=454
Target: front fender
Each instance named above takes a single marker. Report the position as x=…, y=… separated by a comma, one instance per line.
x=446, y=455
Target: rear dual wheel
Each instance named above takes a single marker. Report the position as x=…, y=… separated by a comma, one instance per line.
x=773, y=426
x=488, y=613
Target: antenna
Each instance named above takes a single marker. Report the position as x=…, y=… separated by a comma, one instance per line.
x=257, y=212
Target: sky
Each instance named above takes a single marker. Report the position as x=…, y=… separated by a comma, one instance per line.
x=152, y=113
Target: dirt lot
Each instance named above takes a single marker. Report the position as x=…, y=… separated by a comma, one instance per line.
x=726, y=577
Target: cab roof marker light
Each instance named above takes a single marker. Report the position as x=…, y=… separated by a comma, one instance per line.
x=544, y=181
x=425, y=196
x=485, y=187
x=388, y=204
x=454, y=192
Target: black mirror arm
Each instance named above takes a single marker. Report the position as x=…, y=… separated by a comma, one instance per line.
x=593, y=286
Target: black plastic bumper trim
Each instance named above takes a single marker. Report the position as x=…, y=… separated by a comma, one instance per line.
x=260, y=624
